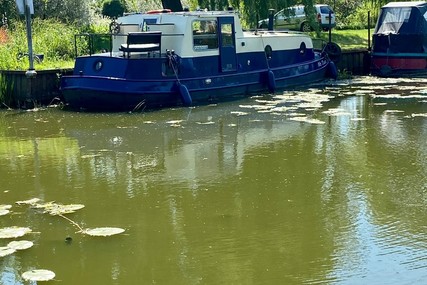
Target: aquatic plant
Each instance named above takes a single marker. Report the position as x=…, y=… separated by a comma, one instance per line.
x=57, y=209
x=53, y=209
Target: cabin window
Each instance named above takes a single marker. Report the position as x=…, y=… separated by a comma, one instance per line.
x=392, y=20
x=397, y=15
x=227, y=35
x=205, y=35
x=147, y=22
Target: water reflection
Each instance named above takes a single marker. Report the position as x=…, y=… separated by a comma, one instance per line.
x=324, y=186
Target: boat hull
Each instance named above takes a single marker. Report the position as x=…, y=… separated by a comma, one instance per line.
x=399, y=65
x=106, y=93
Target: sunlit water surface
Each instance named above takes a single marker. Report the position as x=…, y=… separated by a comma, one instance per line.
x=323, y=186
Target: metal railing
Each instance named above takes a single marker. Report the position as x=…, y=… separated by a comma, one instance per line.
x=93, y=43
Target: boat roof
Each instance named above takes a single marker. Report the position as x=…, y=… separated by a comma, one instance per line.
x=404, y=4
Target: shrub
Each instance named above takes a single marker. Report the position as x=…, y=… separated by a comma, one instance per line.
x=113, y=8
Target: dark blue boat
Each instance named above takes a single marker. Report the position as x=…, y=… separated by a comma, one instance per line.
x=186, y=58
x=400, y=40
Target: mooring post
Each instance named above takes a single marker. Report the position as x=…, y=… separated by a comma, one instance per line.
x=26, y=8
x=270, y=19
x=31, y=72
x=369, y=30
x=330, y=27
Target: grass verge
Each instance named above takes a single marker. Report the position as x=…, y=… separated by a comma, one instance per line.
x=347, y=39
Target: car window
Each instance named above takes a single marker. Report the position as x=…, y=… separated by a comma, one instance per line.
x=325, y=10
x=289, y=12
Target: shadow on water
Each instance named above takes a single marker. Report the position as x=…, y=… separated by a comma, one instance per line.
x=319, y=186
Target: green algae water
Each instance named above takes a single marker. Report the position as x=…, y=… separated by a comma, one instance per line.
x=321, y=186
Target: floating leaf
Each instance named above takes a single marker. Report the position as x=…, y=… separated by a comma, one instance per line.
x=4, y=212
x=5, y=250
x=307, y=120
x=5, y=207
x=14, y=232
x=237, y=113
x=58, y=209
x=419, y=115
x=38, y=275
x=28, y=202
x=20, y=245
x=103, y=232
x=43, y=206
x=174, y=122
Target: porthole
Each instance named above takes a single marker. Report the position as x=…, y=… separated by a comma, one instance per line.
x=302, y=48
x=98, y=65
x=268, y=51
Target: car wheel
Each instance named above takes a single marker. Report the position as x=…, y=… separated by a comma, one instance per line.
x=305, y=27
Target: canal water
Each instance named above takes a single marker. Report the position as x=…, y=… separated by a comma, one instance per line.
x=326, y=185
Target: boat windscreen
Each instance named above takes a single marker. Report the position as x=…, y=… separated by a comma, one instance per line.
x=401, y=20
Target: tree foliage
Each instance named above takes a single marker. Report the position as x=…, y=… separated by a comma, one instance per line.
x=174, y=5
x=113, y=8
x=8, y=12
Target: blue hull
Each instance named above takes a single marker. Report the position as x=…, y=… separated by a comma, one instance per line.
x=109, y=93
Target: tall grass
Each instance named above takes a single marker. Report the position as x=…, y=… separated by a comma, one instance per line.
x=51, y=38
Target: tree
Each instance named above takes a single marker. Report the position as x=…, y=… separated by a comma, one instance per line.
x=8, y=11
x=113, y=8
x=68, y=11
x=174, y=5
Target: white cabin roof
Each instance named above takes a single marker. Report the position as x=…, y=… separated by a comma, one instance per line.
x=177, y=33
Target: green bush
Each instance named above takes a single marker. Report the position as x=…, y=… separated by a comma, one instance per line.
x=113, y=8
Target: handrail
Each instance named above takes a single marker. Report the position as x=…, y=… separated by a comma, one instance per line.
x=91, y=41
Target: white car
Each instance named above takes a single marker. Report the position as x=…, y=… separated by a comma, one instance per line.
x=294, y=18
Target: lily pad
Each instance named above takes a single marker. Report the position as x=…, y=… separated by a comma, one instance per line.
x=38, y=275
x=43, y=206
x=5, y=250
x=103, y=232
x=14, y=232
x=4, y=212
x=20, y=245
x=28, y=202
x=58, y=209
x=5, y=207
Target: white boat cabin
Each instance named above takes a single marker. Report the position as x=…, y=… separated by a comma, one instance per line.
x=197, y=34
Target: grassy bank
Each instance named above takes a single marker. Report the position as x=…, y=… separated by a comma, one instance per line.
x=347, y=39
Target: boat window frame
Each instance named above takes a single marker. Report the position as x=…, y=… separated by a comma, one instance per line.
x=207, y=33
